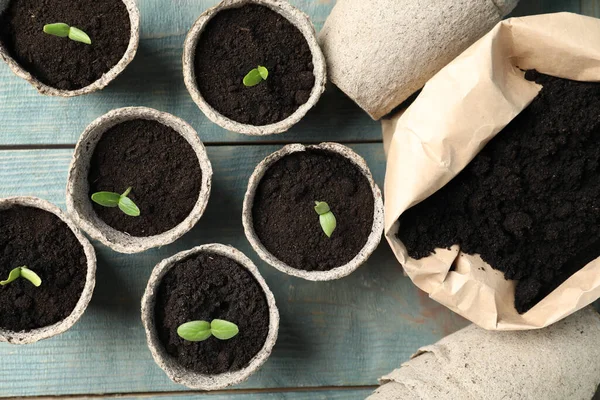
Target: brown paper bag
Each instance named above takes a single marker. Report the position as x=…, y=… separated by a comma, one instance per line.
x=437, y=137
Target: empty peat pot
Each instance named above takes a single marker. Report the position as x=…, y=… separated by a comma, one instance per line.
x=281, y=222
x=237, y=36
x=157, y=161
x=35, y=234
x=205, y=283
x=59, y=66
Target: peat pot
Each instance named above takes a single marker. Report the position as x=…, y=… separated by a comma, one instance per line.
x=209, y=282
x=282, y=225
x=37, y=235
x=58, y=66
x=158, y=160
x=268, y=33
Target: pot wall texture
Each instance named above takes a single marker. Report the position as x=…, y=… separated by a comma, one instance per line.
x=380, y=52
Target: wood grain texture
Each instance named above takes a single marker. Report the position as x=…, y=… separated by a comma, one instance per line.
x=347, y=332
x=343, y=333
x=349, y=394
x=155, y=79
x=532, y=7
x=590, y=7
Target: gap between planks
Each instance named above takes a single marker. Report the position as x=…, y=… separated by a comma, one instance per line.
x=210, y=144
x=171, y=394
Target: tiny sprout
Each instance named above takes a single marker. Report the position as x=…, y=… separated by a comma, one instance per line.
x=256, y=76
x=63, y=30
x=22, y=272
x=326, y=217
x=197, y=331
x=110, y=199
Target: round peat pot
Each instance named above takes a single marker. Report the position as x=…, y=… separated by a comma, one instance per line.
x=290, y=181
x=58, y=66
x=156, y=154
x=65, y=289
x=208, y=282
x=271, y=33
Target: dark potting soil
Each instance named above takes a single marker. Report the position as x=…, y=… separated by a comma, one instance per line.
x=529, y=202
x=236, y=41
x=41, y=241
x=160, y=166
x=61, y=62
x=204, y=287
x=285, y=220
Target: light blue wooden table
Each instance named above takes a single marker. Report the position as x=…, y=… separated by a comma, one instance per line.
x=335, y=338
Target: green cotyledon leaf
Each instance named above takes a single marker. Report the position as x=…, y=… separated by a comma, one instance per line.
x=106, y=199
x=194, y=331
x=256, y=76
x=223, y=330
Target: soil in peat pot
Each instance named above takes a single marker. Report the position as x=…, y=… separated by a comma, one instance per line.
x=60, y=62
x=529, y=202
x=41, y=241
x=204, y=287
x=238, y=40
x=285, y=220
x=160, y=166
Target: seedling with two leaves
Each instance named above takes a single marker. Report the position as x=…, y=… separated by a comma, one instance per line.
x=22, y=272
x=197, y=331
x=326, y=217
x=111, y=199
x=61, y=29
x=256, y=76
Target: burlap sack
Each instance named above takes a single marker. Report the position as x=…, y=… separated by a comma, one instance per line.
x=379, y=52
x=426, y=152
x=556, y=363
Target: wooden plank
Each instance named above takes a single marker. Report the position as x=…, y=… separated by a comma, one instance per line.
x=155, y=79
x=333, y=394
x=343, y=333
x=532, y=7
x=590, y=7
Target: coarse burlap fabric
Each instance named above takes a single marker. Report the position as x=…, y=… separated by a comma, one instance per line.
x=555, y=363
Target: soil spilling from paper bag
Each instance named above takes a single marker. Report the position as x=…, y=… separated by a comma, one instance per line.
x=158, y=164
x=40, y=241
x=238, y=40
x=205, y=287
x=529, y=202
x=286, y=222
x=57, y=61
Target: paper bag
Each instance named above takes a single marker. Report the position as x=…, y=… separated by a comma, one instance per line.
x=556, y=363
x=437, y=136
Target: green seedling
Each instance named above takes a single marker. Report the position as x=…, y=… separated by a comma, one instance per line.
x=256, y=76
x=111, y=199
x=22, y=272
x=197, y=331
x=326, y=217
x=63, y=30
